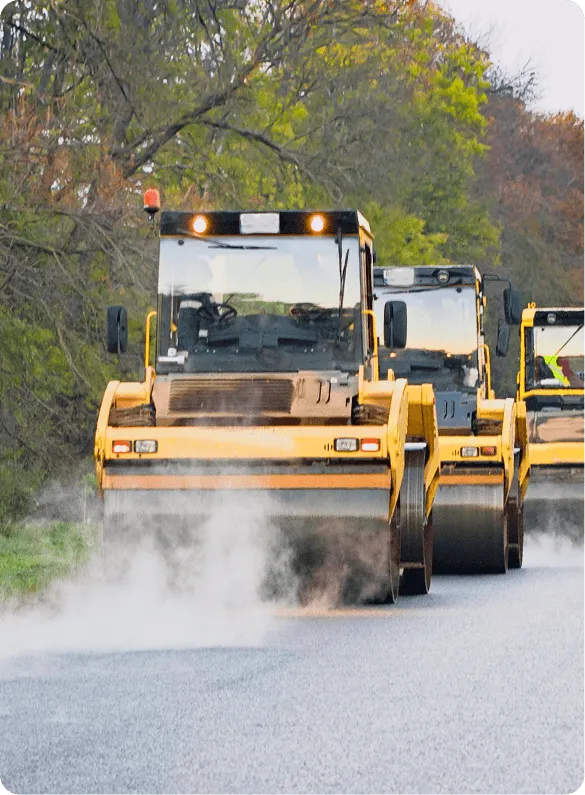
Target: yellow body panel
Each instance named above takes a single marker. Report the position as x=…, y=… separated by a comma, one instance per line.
x=411, y=413
x=241, y=481
x=245, y=443
x=513, y=439
x=422, y=423
x=277, y=443
x=556, y=453
x=450, y=449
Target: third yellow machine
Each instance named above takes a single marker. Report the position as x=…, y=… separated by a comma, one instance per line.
x=550, y=381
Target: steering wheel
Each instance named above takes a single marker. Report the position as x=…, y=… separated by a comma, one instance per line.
x=308, y=311
x=211, y=312
x=226, y=312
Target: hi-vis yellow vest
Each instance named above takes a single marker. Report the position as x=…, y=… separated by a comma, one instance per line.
x=553, y=364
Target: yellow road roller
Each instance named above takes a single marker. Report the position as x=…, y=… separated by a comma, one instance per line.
x=478, y=511
x=550, y=381
x=262, y=391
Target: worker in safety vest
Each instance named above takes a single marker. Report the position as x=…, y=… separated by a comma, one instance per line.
x=553, y=364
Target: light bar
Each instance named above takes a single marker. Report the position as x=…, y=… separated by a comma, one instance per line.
x=121, y=446
x=399, y=277
x=259, y=223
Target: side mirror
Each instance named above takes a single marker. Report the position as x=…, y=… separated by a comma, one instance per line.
x=512, y=306
x=503, y=340
x=117, y=329
x=395, y=324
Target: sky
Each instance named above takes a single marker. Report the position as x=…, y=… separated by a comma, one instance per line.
x=547, y=33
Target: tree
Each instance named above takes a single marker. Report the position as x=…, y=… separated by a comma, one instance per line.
x=277, y=103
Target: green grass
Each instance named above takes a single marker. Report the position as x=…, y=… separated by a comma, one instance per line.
x=33, y=555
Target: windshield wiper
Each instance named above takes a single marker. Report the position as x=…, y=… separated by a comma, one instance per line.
x=342, y=274
x=564, y=345
x=218, y=244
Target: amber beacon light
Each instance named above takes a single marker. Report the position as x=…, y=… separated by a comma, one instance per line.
x=151, y=201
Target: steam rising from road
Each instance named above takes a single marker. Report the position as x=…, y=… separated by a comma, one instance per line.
x=142, y=596
x=218, y=587
x=552, y=551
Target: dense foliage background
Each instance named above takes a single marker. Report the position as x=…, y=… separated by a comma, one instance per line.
x=234, y=103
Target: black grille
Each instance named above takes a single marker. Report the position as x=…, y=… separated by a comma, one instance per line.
x=234, y=396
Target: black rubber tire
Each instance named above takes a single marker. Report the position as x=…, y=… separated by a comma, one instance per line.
x=416, y=532
x=470, y=530
x=515, y=513
x=394, y=558
x=417, y=582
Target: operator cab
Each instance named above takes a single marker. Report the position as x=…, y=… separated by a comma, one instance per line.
x=444, y=344
x=444, y=340
x=551, y=374
x=263, y=292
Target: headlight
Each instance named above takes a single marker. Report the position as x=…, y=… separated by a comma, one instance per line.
x=145, y=446
x=469, y=452
x=346, y=445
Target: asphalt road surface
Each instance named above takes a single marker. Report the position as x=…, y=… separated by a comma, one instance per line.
x=476, y=688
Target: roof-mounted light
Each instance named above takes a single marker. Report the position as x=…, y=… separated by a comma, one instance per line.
x=551, y=318
x=200, y=224
x=399, y=277
x=317, y=223
x=151, y=201
x=443, y=276
x=259, y=223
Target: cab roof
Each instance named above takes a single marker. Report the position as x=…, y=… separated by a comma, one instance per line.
x=564, y=316
x=284, y=222
x=420, y=276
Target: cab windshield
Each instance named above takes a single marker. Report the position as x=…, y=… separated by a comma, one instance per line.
x=259, y=303
x=442, y=336
x=555, y=357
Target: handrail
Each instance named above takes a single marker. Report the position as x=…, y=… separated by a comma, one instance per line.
x=375, y=370
x=374, y=329
x=147, y=340
x=488, y=370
